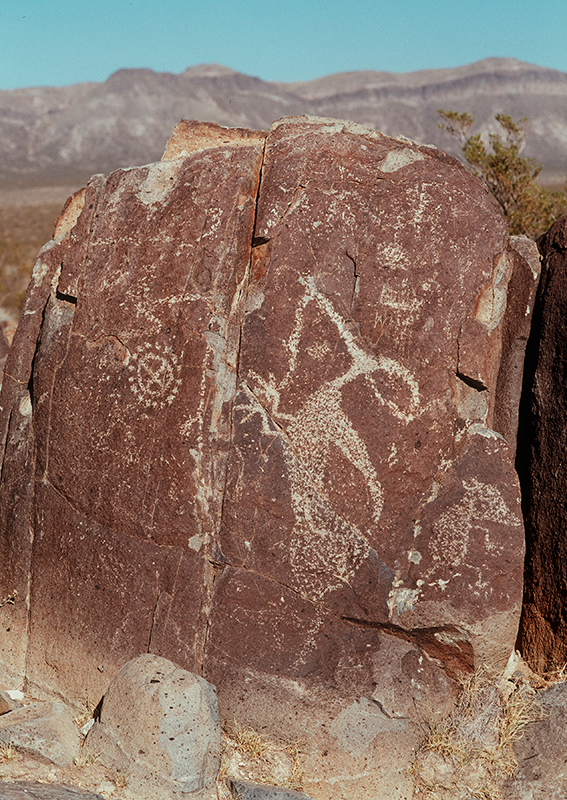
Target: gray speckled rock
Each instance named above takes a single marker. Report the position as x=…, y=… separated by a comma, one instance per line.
x=27, y=790
x=160, y=724
x=244, y=790
x=42, y=729
x=542, y=752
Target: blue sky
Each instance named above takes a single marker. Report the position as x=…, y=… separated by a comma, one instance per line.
x=59, y=42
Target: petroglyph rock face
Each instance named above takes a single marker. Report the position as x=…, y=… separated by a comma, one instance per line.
x=363, y=471
x=257, y=436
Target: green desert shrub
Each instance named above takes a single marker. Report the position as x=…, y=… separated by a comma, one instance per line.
x=511, y=178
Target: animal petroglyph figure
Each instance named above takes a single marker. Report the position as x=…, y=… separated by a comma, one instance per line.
x=321, y=424
x=326, y=547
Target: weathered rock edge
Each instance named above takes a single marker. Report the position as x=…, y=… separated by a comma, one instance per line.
x=292, y=477
x=542, y=464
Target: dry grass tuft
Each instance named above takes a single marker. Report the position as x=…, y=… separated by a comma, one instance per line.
x=521, y=708
x=249, y=755
x=250, y=743
x=85, y=759
x=10, y=600
x=7, y=751
x=121, y=781
x=85, y=714
x=469, y=752
x=557, y=675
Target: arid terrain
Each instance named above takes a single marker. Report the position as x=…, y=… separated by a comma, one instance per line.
x=52, y=139
x=55, y=135
x=26, y=223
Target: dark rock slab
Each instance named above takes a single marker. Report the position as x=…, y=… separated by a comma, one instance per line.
x=542, y=463
x=364, y=474
x=245, y=790
x=368, y=497
x=4, y=350
x=26, y=790
x=516, y=326
x=143, y=330
x=251, y=419
x=16, y=441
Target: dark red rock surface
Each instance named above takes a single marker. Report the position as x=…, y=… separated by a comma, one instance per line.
x=542, y=463
x=257, y=436
x=516, y=326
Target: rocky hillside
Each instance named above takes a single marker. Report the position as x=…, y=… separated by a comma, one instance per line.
x=65, y=134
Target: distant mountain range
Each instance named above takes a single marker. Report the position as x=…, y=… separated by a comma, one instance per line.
x=65, y=134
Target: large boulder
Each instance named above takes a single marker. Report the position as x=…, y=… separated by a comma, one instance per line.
x=249, y=426
x=542, y=462
x=158, y=724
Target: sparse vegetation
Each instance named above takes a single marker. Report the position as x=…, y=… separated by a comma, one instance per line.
x=7, y=751
x=85, y=714
x=557, y=675
x=511, y=178
x=10, y=600
x=85, y=759
x=250, y=755
x=121, y=781
x=250, y=743
x=469, y=752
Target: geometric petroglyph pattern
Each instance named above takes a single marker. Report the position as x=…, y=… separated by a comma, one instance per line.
x=155, y=375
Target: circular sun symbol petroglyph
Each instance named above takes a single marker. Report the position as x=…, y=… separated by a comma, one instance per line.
x=155, y=375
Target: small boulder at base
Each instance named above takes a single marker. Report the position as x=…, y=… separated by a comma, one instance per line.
x=42, y=729
x=159, y=724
